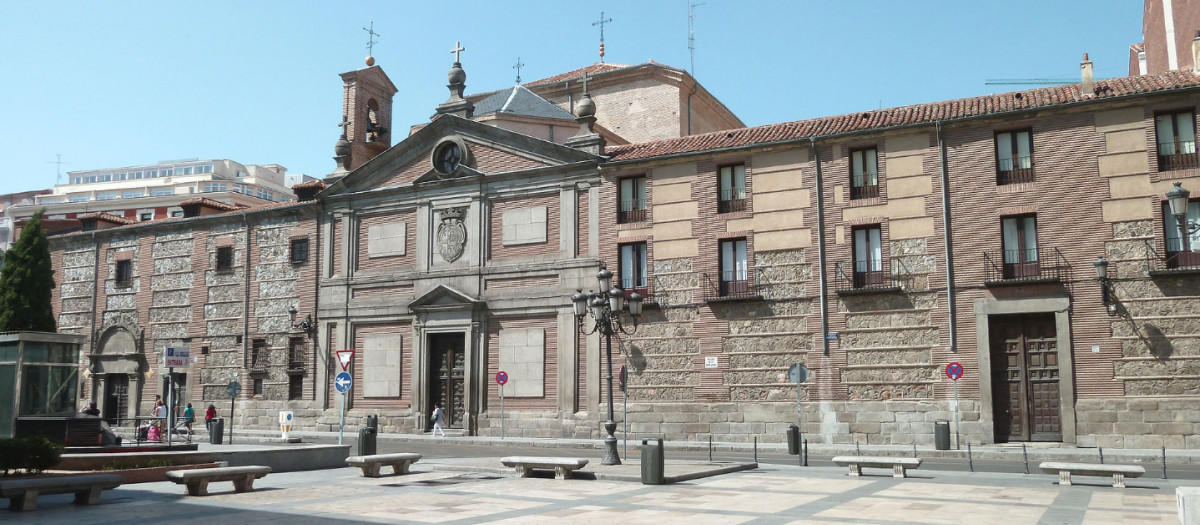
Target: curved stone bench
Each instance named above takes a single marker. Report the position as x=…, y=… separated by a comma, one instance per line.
x=197, y=480
x=563, y=467
x=1118, y=472
x=370, y=465
x=22, y=493
x=898, y=465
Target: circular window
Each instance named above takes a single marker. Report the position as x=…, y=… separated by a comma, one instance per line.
x=447, y=157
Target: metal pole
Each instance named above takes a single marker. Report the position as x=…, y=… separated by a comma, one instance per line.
x=611, y=457
x=957, y=439
x=501, y=411
x=1164, y=462
x=756, y=448
x=1101, y=449
x=342, y=420
x=1025, y=453
x=625, y=420
x=799, y=416
x=806, y=452
x=170, y=403
x=970, y=460
x=710, y=448
x=231, y=400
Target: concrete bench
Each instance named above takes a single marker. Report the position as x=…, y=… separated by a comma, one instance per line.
x=197, y=480
x=563, y=467
x=1118, y=472
x=22, y=494
x=898, y=465
x=370, y=465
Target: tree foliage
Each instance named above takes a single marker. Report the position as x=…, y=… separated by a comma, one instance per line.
x=27, y=281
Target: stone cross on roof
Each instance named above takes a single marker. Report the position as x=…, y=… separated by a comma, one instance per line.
x=458, y=48
x=585, y=79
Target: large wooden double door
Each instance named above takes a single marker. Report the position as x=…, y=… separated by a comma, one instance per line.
x=447, y=370
x=1026, y=398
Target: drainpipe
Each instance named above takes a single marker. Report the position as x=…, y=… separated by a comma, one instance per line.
x=95, y=299
x=948, y=241
x=246, y=300
x=324, y=358
x=821, y=249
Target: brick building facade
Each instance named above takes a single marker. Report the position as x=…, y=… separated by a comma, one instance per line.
x=875, y=248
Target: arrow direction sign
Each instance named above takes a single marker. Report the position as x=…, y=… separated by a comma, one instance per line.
x=344, y=357
x=343, y=381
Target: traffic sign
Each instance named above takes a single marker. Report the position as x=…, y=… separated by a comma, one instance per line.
x=344, y=357
x=175, y=356
x=954, y=371
x=233, y=388
x=501, y=377
x=798, y=373
x=623, y=377
x=343, y=381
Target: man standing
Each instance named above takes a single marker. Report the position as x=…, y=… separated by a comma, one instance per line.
x=439, y=419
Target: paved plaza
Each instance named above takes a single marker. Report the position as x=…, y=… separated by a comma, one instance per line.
x=770, y=494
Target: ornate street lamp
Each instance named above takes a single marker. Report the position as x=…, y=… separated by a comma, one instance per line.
x=1106, y=294
x=1177, y=201
x=605, y=308
x=306, y=325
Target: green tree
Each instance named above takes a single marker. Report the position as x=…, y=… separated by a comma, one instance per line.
x=26, y=282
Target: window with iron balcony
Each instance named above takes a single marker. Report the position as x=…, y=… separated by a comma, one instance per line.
x=124, y=273
x=864, y=173
x=1014, y=157
x=731, y=186
x=1176, y=137
x=631, y=200
x=258, y=353
x=868, y=257
x=631, y=261
x=735, y=277
x=1183, y=246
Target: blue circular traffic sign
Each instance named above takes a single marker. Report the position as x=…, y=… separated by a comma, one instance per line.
x=954, y=371
x=343, y=381
x=501, y=377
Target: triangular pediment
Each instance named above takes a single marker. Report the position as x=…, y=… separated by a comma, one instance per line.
x=443, y=297
x=489, y=151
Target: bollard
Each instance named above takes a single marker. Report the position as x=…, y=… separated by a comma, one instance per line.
x=1164, y=456
x=710, y=448
x=1101, y=449
x=970, y=459
x=806, y=452
x=914, y=449
x=756, y=449
x=857, y=452
x=1026, y=454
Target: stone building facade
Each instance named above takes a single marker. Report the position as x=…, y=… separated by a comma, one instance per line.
x=874, y=248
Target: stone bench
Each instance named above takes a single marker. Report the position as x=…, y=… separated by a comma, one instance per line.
x=898, y=465
x=22, y=494
x=563, y=467
x=197, y=480
x=1118, y=472
x=370, y=465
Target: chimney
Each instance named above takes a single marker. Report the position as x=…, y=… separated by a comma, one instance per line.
x=1087, y=87
x=1196, y=53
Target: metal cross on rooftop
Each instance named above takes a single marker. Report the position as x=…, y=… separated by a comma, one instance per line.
x=601, y=23
x=458, y=48
x=371, y=38
x=518, y=67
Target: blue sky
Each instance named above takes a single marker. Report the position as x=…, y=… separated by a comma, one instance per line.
x=109, y=84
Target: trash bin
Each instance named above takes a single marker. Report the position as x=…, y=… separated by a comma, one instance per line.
x=216, y=431
x=373, y=421
x=793, y=439
x=941, y=435
x=652, y=461
x=366, y=441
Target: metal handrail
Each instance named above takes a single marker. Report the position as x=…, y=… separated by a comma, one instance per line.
x=1037, y=265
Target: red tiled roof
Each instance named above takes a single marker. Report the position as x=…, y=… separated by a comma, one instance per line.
x=209, y=203
x=906, y=115
x=599, y=67
x=106, y=217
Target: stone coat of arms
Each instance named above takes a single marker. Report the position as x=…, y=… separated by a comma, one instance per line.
x=451, y=234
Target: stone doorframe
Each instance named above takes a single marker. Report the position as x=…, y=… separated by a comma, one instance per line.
x=119, y=350
x=1060, y=307
x=445, y=310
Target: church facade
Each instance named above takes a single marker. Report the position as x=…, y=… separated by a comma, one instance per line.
x=873, y=248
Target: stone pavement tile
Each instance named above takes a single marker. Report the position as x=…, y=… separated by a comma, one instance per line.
x=1113, y=517
x=427, y=506
x=697, y=497
x=609, y=516
x=555, y=489
x=929, y=511
x=277, y=496
x=961, y=492
x=772, y=483
x=1128, y=500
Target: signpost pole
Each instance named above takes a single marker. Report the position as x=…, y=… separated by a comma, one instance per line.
x=501, y=410
x=957, y=443
x=342, y=419
x=625, y=419
x=231, y=400
x=170, y=403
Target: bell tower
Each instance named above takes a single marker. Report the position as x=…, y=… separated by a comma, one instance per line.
x=366, y=116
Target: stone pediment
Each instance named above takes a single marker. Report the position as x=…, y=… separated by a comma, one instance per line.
x=482, y=150
x=443, y=297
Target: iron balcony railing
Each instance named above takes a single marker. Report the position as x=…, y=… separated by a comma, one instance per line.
x=633, y=210
x=1177, y=157
x=1017, y=266
x=730, y=286
x=860, y=277
x=732, y=200
x=1175, y=258
x=864, y=192
x=297, y=359
x=1008, y=173
x=642, y=288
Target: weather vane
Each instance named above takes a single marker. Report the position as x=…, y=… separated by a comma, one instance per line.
x=601, y=23
x=518, y=67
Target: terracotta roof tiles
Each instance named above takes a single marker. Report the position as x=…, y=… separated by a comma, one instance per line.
x=906, y=115
x=599, y=67
x=209, y=203
x=106, y=217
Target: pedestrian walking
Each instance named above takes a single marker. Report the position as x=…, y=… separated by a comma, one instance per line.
x=208, y=417
x=439, y=419
x=189, y=416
